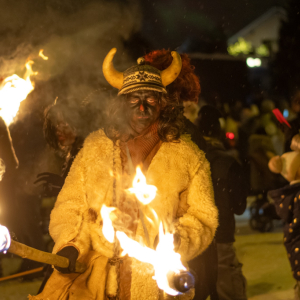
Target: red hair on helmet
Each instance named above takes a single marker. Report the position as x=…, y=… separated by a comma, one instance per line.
x=187, y=84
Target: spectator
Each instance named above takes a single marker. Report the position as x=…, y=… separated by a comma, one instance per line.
x=230, y=188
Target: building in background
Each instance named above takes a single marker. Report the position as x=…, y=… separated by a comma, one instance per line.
x=258, y=43
x=262, y=32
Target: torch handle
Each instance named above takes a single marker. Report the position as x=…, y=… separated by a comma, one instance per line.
x=43, y=257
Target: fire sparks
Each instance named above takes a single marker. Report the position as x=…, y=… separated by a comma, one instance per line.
x=41, y=54
x=145, y=193
x=5, y=239
x=13, y=90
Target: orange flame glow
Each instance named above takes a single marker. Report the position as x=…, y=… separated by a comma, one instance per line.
x=5, y=239
x=164, y=259
x=13, y=90
x=144, y=193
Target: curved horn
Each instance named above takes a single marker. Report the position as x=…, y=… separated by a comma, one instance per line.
x=113, y=77
x=171, y=73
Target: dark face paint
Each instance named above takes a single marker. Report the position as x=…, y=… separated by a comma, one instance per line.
x=143, y=110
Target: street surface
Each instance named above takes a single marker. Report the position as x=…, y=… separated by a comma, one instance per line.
x=263, y=256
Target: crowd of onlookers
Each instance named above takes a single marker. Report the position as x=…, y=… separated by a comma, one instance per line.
x=253, y=135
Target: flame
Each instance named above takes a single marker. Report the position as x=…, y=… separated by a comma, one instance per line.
x=5, y=239
x=107, y=229
x=164, y=259
x=13, y=90
x=41, y=54
x=144, y=193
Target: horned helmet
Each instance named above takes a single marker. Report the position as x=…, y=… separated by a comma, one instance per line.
x=141, y=76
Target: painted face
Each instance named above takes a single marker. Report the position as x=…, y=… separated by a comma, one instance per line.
x=143, y=110
x=65, y=134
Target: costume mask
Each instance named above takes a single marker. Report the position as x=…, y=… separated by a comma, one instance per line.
x=142, y=110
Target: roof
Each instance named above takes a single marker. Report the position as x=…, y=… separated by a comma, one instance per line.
x=258, y=22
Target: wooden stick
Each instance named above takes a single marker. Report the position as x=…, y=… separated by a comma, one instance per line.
x=22, y=274
x=43, y=257
x=12, y=146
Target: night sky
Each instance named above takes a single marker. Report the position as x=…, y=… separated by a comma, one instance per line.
x=170, y=23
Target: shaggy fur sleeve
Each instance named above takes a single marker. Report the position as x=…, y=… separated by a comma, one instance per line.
x=66, y=222
x=198, y=225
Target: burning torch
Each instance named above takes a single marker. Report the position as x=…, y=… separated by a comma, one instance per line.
x=14, y=90
x=170, y=274
x=7, y=244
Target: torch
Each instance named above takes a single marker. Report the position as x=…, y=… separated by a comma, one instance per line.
x=170, y=274
x=182, y=281
x=7, y=244
x=14, y=90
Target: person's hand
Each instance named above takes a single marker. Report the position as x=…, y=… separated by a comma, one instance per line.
x=70, y=253
x=51, y=183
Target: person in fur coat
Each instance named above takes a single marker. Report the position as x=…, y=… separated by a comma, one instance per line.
x=144, y=128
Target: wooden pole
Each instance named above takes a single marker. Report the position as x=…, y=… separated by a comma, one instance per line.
x=22, y=274
x=12, y=146
x=43, y=257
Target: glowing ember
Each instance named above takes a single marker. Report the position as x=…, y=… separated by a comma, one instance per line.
x=5, y=239
x=145, y=193
x=13, y=90
x=107, y=229
x=41, y=54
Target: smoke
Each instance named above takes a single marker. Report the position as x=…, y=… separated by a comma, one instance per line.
x=75, y=35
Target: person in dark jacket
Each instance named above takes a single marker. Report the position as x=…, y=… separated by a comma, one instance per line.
x=287, y=203
x=230, y=188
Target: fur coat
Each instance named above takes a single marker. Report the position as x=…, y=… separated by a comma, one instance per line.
x=184, y=200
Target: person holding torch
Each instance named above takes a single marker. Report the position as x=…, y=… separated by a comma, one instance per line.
x=144, y=128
